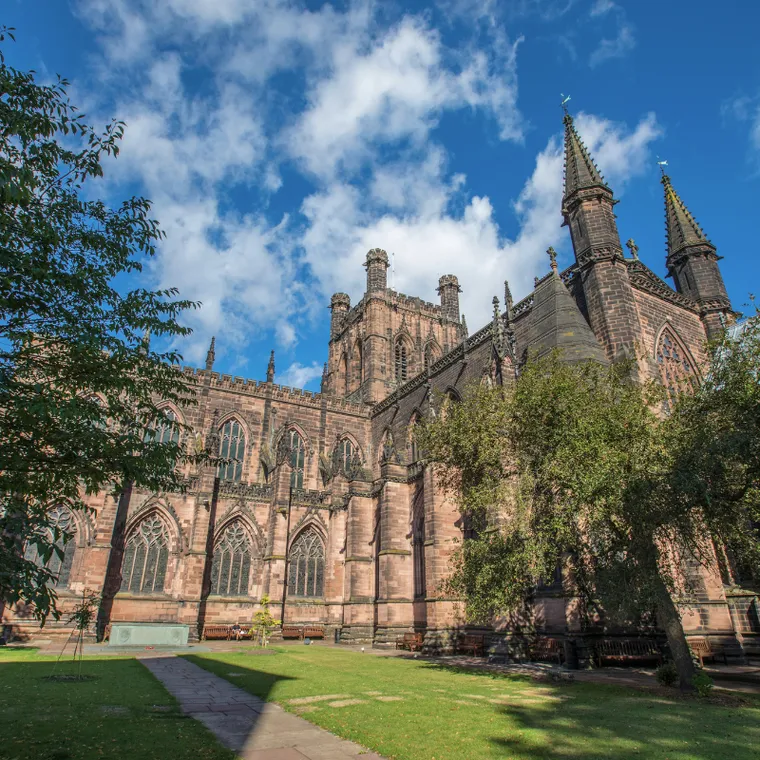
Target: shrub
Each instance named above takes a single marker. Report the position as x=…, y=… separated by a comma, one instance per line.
x=702, y=683
x=667, y=674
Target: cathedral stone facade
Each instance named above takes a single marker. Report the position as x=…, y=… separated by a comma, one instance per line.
x=325, y=506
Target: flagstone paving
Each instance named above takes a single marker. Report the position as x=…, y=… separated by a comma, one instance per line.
x=255, y=729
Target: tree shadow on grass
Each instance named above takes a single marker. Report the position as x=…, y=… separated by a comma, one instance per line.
x=121, y=712
x=579, y=721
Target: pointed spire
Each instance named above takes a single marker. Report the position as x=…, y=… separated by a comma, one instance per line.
x=146, y=340
x=270, y=368
x=681, y=227
x=580, y=171
x=464, y=326
x=497, y=330
x=323, y=386
x=210, y=355
x=508, y=300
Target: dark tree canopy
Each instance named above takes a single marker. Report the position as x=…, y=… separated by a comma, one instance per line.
x=79, y=380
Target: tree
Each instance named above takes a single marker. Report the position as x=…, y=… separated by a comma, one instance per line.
x=79, y=379
x=714, y=436
x=263, y=622
x=569, y=462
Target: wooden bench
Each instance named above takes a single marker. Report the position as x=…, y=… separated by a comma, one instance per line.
x=703, y=650
x=546, y=649
x=472, y=642
x=292, y=632
x=241, y=632
x=410, y=641
x=313, y=632
x=628, y=650
x=216, y=632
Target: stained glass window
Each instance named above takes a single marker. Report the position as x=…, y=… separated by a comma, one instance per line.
x=676, y=370
x=60, y=567
x=401, y=362
x=231, y=565
x=232, y=447
x=297, y=458
x=307, y=565
x=146, y=556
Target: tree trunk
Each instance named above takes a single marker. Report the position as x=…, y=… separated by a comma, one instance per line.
x=670, y=620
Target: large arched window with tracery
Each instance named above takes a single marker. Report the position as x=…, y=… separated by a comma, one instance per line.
x=677, y=372
x=297, y=458
x=307, y=565
x=401, y=362
x=231, y=565
x=60, y=525
x=143, y=570
x=232, y=448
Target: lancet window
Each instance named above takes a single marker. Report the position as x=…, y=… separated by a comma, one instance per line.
x=231, y=565
x=676, y=369
x=344, y=454
x=297, y=458
x=60, y=521
x=418, y=544
x=232, y=448
x=146, y=556
x=307, y=565
x=401, y=367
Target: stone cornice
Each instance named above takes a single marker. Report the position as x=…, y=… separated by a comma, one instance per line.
x=254, y=491
x=644, y=279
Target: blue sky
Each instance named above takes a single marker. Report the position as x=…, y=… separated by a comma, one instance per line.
x=279, y=141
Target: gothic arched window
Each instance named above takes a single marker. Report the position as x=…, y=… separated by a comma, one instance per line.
x=414, y=453
x=344, y=454
x=60, y=521
x=297, y=458
x=231, y=566
x=307, y=565
x=677, y=373
x=401, y=362
x=359, y=363
x=146, y=556
x=232, y=447
x=346, y=377
x=166, y=431
x=418, y=543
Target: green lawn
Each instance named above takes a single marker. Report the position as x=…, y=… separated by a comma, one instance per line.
x=413, y=710
x=123, y=714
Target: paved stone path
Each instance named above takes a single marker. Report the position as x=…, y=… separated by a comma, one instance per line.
x=255, y=729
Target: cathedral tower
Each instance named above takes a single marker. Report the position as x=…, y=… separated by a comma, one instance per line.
x=692, y=262
x=588, y=210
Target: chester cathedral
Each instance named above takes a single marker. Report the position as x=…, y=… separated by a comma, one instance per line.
x=323, y=504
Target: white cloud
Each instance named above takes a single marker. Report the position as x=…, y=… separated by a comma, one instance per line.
x=600, y=7
x=299, y=376
x=395, y=90
x=617, y=47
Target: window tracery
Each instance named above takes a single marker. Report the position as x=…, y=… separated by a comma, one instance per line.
x=307, y=565
x=60, y=521
x=297, y=458
x=677, y=372
x=146, y=556
x=343, y=456
x=165, y=431
x=232, y=448
x=231, y=565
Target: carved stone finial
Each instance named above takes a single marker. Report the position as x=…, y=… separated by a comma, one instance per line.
x=535, y=281
x=323, y=387
x=464, y=326
x=632, y=247
x=552, y=254
x=508, y=301
x=210, y=355
x=270, y=368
